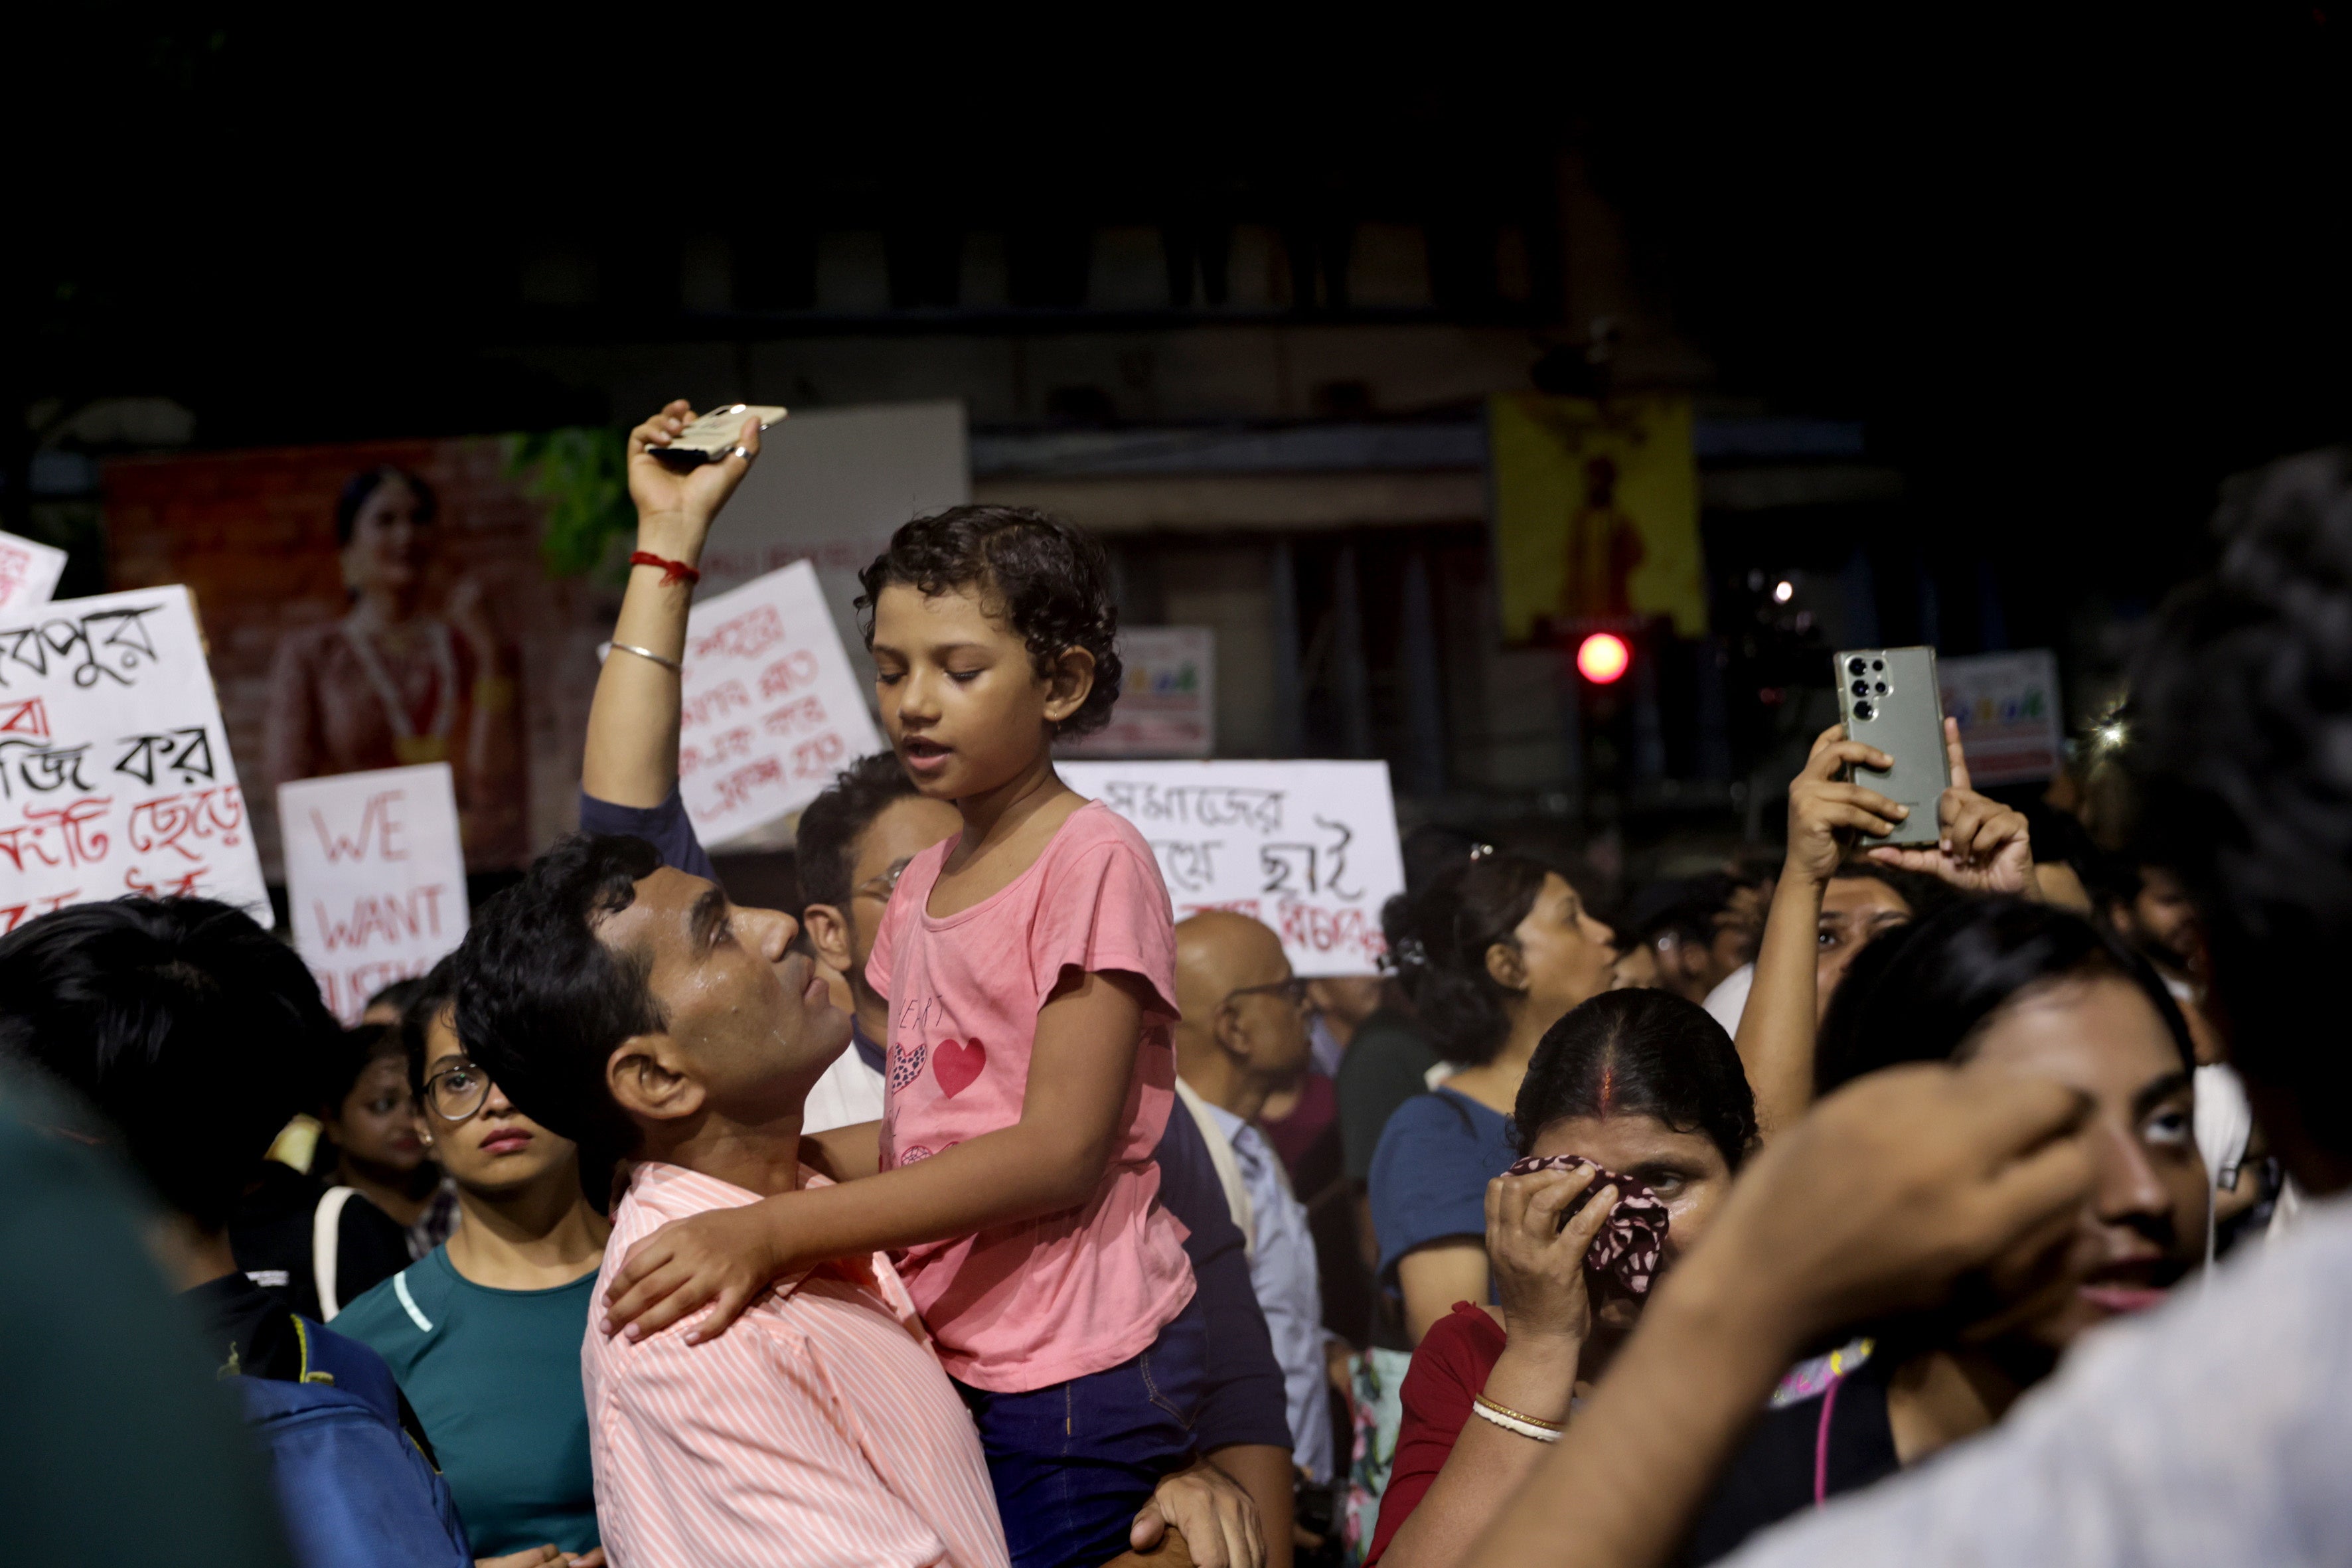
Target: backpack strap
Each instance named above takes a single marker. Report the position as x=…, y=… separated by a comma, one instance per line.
x=325, y=1243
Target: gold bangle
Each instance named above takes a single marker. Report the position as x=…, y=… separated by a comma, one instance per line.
x=1520, y=1415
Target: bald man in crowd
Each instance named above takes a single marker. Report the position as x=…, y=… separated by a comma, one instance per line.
x=1243, y=1037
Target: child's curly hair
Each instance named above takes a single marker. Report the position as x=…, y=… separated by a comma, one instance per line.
x=1049, y=580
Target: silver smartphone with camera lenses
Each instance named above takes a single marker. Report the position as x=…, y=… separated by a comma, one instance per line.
x=1889, y=698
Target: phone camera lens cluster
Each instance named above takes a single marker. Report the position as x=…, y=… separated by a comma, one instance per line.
x=1865, y=709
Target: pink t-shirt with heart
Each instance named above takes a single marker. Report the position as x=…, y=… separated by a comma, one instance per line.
x=1022, y=1307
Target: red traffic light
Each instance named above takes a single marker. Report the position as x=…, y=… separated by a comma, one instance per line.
x=1602, y=657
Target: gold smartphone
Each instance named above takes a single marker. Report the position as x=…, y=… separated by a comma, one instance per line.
x=713, y=436
x=1889, y=698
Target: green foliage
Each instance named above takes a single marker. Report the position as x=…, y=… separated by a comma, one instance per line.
x=582, y=476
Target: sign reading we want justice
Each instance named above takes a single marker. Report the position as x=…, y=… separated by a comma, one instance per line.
x=115, y=775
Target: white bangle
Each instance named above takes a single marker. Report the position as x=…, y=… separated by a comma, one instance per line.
x=1510, y=1423
x=648, y=653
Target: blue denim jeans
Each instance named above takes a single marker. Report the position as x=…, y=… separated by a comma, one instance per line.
x=1073, y=1462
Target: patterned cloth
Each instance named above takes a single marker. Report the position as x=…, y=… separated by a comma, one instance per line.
x=1624, y=1256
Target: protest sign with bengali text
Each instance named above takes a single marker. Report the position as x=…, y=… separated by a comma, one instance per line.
x=1309, y=847
x=29, y=573
x=375, y=877
x=115, y=775
x=771, y=707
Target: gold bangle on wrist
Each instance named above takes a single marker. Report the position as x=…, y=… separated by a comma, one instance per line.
x=1520, y=1414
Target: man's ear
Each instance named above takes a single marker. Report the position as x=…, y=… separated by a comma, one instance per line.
x=643, y=1078
x=1069, y=682
x=1225, y=1029
x=828, y=933
x=1505, y=967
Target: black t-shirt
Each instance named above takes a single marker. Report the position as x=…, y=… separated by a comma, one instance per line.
x=270, y=1237
x=1785, y=1463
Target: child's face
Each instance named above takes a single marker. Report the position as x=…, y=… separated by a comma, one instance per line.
x=961, y=698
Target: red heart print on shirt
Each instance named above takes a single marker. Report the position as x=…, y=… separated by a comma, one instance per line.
x=957, y=1065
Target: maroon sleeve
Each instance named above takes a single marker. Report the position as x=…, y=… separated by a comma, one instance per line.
x=1448, y=1371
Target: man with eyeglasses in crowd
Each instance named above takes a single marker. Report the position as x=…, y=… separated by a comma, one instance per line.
x=1244, y=1038
x=483, y=1332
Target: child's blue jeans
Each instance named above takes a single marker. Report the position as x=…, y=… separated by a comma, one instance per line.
x=1072, y=1463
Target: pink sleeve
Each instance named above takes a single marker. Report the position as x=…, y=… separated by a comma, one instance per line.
x=1107, y=910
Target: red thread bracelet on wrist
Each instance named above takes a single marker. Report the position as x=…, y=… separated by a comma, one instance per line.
x=672, y=570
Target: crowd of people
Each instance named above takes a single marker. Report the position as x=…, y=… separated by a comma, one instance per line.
x=1954, y=1204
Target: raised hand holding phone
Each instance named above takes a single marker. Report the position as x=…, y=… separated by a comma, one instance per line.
x=1981, y=845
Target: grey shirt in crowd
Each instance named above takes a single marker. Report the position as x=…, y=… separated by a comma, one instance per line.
x=2217, y=1430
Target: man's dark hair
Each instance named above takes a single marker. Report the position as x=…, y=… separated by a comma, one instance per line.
x=195, y=1033
x=1687, y=908
x=824, y=845
x=1922, y=991
x=1049, y=580
x=360, y=486
x=2240, y=745
x=1639, y=1052
x=1438, y=941
x=542, y=1001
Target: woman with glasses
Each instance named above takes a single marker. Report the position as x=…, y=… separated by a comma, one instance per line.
x=484, y=1333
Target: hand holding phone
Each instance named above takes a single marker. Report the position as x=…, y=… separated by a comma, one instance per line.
x=1889, y=700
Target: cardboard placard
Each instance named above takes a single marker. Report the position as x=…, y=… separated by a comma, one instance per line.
x=1167, y=701
x=115, y=773
x=772, y=710
x=29, y=573
x=1309, y=847
x=375, y=877
x=2009, y=705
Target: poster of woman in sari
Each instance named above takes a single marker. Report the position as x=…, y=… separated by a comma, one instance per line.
x=392, y=683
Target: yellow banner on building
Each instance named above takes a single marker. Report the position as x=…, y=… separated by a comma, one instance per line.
x=1596, y=513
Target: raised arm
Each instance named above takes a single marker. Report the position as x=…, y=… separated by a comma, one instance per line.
x=1776, y=1031
x=632, y=751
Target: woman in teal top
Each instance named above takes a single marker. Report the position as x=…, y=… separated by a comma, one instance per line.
x=484, y=1333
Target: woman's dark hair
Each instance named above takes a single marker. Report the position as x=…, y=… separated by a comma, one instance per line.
x=1923, y=992
x=825, y=844
x=365, y=483
x=1927, y=895
x=350, y=1055
x=1646, y=1053
x=427, y=996
x=1051, y=581
x=192, y=1030
x=1437, y=943
x=542, y=1001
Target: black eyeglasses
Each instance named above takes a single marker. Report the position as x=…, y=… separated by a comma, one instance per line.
x=456, y=1092
x=1293, y=991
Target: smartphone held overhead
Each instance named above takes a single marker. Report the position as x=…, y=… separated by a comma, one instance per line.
x=1889, y=698
x=713, y=436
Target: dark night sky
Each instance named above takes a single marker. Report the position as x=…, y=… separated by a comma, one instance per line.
x=2070, y=273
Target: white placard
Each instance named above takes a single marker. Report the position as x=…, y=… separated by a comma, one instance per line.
x=2009, y=706
x=772, y=709
x=1310, y=848
x=375, y=877
x=29, y=573
x=115, y=773
x=830, y=487
x=1167, y=700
